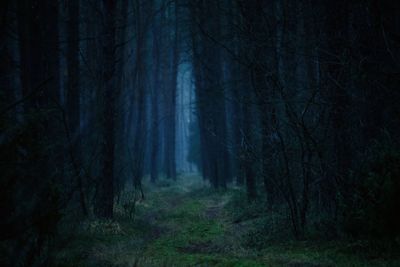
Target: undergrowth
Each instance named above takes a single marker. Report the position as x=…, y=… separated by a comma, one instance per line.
x=187, y=225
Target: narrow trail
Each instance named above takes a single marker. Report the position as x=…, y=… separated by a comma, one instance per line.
x=188, y=224
x=192, y=227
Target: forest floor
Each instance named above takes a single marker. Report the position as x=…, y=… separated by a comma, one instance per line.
x=187, y=225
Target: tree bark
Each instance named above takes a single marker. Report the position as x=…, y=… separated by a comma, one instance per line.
x=105, y=199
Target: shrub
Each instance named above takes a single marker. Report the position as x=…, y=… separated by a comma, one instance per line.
x=374, y=210
x=102, y=227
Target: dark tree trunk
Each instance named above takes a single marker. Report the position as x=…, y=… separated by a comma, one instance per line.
x=210, y=94
x=73, y=94
x=155, y=129
x=105, y=195
x=338, y=76
x=247, y=154
x=170, y=157
x=140, y=93
x=38, y=36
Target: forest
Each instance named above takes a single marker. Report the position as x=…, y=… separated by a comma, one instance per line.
x=200, y=133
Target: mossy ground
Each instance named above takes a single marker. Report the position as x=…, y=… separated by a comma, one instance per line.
x=187, y=225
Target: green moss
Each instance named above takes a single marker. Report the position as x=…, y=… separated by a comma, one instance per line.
x=173, y=228
x=191, y=237
x=321, y=254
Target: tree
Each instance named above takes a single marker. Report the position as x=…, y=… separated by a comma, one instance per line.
x=105, y=191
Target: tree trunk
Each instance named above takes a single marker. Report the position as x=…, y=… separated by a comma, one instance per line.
x=105, y=199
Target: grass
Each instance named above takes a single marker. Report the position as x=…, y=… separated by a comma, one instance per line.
x=185, y=225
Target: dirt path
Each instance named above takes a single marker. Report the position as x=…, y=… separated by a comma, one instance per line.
x=195, y=230
x=189, y=225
